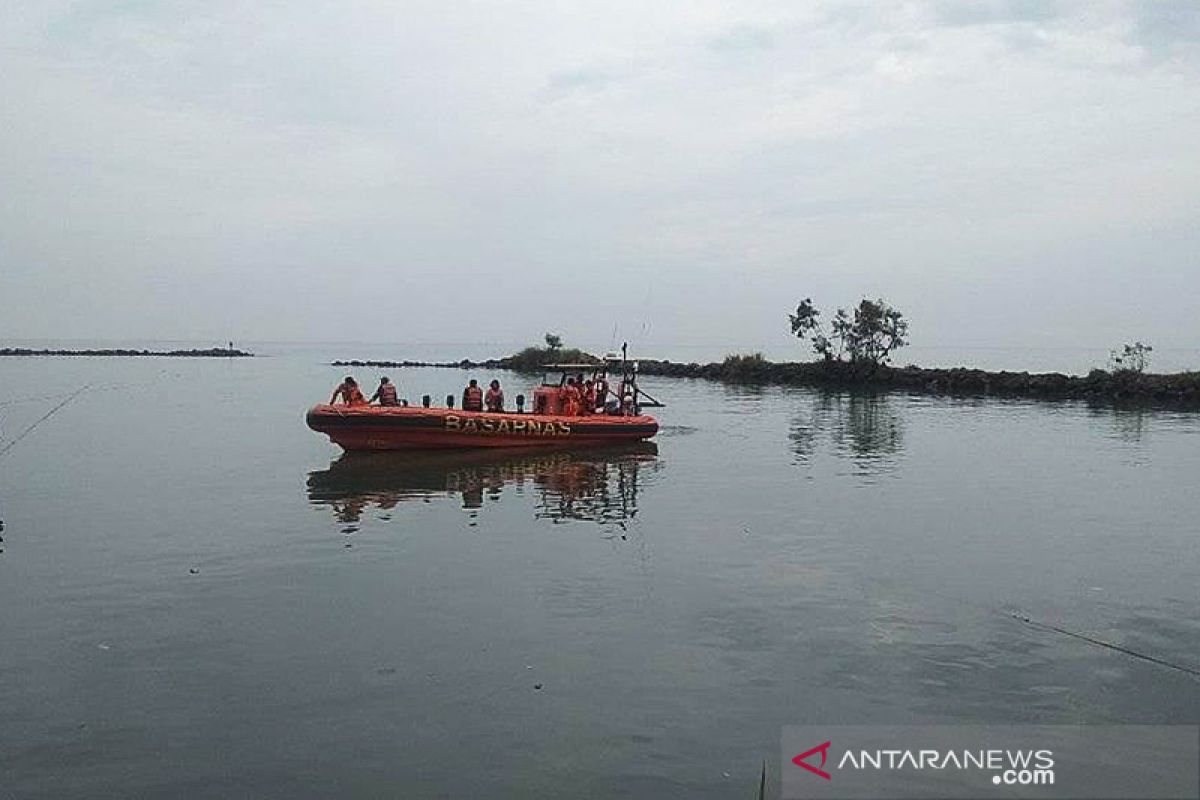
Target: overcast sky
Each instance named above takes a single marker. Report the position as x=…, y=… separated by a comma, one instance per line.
x=1020, y=172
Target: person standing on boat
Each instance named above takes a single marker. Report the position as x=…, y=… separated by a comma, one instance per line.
x=349, y=392
x=494, y=399
x=570, y=399
x=386, y=393
x=472, y=399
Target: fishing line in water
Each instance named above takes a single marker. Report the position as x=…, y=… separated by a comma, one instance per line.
x=40, y=399
x=95, y=387
x=13, y=443
x=47, y=397
x=67, y=397
x=1025, y=619
x=1109, y=645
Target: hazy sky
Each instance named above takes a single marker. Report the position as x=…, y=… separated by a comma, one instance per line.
x=1022, y=172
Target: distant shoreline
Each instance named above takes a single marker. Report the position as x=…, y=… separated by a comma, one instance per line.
x=212, y=352
x=1177, y=389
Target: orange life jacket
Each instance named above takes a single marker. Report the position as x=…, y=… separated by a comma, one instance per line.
x=387, y=394
x=472, y=399
x=571, y=400
x=494, y=400
x=351, y=395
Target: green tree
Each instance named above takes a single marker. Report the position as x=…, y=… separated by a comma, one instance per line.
x=806, y=324
x=554, y=342
x=876, y=331
x=868, y=336
x=1131, y=359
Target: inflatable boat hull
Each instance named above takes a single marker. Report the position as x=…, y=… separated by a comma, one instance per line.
x=356, y=428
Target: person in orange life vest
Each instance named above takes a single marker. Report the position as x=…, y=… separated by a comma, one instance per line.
x=472, y=399
x=572, y=399
x=589, y=398
x=350, y=393
x=494, y=399
x=385, y=394
x=562, y=395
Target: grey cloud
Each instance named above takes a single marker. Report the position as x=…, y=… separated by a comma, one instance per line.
x=243, y=169
x=742, y=38
x=989, y=12
x=562, y=84
x=1165, y=25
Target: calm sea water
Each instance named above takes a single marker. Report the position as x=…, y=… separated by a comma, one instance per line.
x=200, y=597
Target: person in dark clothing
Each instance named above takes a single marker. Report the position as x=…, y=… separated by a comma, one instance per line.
x=386, y=393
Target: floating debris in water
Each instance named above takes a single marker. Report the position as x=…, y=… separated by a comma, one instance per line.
x=537, y=686
x=386, y=671
x=103, y=646
x=194, y=570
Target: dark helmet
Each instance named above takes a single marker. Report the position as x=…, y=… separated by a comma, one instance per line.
x=384, y=379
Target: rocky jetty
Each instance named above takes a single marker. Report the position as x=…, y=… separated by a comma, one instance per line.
x=1178, y=389
x=466, y=363
x=212, y=352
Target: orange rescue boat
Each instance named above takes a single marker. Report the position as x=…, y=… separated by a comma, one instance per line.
x=367, y=427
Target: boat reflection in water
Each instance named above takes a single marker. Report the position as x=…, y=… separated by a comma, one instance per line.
x=596, y=484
